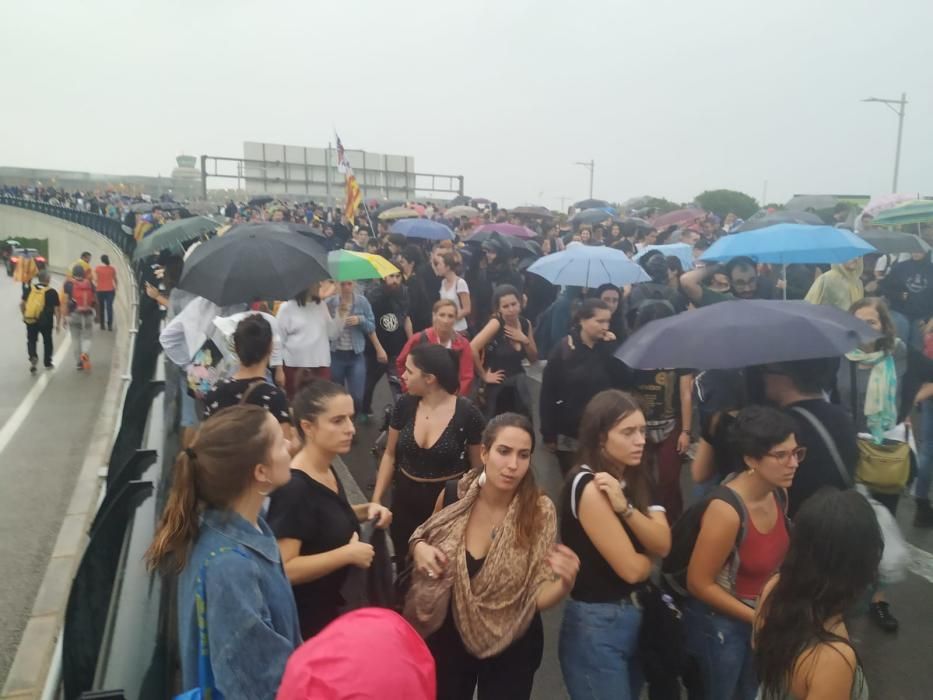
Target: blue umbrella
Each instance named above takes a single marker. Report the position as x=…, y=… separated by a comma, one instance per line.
x=740, y=333
x=423, y=228
x=787, y=244
x=681, y=251
x=589, y=266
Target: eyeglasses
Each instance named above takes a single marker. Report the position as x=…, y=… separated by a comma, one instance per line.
x=785, y=456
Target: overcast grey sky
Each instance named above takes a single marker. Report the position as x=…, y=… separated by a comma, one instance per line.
x=669, y=97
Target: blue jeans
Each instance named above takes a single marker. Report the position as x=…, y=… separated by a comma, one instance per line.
x=598, y=650
x=105, y=309
x=349, y=369
x=925, y=458
x=722, y=647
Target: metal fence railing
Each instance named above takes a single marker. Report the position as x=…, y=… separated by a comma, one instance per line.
x=118, y=620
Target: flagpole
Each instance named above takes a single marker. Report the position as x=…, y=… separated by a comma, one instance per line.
x=347, y=174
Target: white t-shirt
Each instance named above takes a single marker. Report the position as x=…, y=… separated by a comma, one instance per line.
x=886, y=262
x=453, y=293
x=306, y=333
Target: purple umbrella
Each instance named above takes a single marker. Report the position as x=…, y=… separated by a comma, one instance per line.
x=681, y=216
x=513, y=230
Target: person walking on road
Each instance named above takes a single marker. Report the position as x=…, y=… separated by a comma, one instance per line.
x=80, y=310
x=105, y=276
x=355, y=324
x=42, y=311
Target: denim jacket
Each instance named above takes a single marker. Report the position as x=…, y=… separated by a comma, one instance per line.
x=360, y=332
x=252, y=621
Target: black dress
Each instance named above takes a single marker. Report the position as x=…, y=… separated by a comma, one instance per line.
x=420, y=472
x=307, y=510
x=511, y=394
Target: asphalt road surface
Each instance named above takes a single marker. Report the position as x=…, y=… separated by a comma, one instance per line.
x=45, y=425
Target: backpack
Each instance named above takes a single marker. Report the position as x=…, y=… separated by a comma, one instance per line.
x=687, y=528
x=35, y=304
x=206, y=369
x=82, y=296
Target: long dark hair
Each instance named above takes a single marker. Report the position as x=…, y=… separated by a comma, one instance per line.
x=888, y=337
x=528, y=492
x=835, y=549
x=442, y=362
x=600, y=416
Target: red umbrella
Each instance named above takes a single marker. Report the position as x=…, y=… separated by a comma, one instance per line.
x=680, y=216
x=514, y=230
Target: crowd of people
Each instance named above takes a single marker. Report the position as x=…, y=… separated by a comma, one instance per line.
x=762, y=557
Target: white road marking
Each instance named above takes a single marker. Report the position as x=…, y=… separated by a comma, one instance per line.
x=921, y=562
x=22, y=411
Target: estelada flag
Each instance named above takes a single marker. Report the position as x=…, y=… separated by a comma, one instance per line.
x=354, y=197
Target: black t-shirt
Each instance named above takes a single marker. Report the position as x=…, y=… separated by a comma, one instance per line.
x=307, y=510
x=229, y=392
x=51, y=302
x=819, y=468
x=660, y=392
x=501, y=353
x=390, y=312
x=596, y=582
x=448, y=456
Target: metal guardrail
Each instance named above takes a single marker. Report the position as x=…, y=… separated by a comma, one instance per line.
x=119, y=618
x=104, y=225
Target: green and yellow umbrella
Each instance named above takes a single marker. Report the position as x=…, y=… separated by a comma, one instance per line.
x=348, y=265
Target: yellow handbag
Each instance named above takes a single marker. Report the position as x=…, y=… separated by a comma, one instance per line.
x=883, y=468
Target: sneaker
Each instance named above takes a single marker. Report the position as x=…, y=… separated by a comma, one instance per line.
x=880, y=614
x=924, y=515
x=85, y=362
x=50, y=366
x=33, y=361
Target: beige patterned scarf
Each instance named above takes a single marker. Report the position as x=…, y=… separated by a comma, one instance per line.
x=494, y=608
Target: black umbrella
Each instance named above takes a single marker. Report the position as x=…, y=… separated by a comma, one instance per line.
x=532, y=212
x=733, y=334
x=590, y=216
x=780, y=217
x=631, y=225
x=894, y=242
x=459, y=200
x=518, y=246
x=266, y=261
x=385, y=206
x=259, y=201
x=592, y=204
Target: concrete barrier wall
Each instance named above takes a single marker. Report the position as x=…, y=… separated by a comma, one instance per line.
x=67, y=241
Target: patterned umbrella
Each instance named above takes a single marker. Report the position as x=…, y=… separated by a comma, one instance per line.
x=513, y=230
x=396, y=213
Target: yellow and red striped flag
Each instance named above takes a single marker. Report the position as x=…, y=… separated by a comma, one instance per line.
x=354, y=194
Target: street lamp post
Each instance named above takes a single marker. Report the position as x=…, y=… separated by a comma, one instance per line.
x=590, y=165
x=899, y=111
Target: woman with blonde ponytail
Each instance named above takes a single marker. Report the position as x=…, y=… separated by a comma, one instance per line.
x=237, y=622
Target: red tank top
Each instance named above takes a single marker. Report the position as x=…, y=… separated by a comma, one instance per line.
x=760, y=555
x=105, y=275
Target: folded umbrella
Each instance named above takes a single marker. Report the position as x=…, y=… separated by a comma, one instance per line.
x=173, y=235
x=423, y=228
x=917, y=212
x=894, y=242
x=740, y=333
x=347, y=265
x=589, y=266
x=266, y=261
x=511, y=230
x=785, y=244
